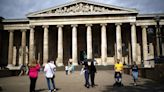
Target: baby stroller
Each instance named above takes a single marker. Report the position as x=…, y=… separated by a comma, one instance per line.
x=118, y=79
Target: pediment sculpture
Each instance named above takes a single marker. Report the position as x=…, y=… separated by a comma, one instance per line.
x=80, y=8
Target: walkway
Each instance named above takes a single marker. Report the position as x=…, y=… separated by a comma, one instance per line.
x=74, y=83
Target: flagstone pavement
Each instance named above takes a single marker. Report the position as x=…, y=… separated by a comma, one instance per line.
x=75, y=83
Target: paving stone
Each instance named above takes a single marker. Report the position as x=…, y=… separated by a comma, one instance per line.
x=75, y=83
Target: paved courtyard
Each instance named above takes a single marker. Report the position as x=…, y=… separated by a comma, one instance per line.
x=75, y=83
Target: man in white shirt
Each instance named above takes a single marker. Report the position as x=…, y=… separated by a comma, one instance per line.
x=49, y=70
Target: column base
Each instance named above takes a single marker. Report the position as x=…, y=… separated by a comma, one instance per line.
x=149, y=64
x=59, y=64
x=104, y=61
x=74, y=61
x=10, y=66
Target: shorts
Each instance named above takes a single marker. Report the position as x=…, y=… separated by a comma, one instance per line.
x=116, y=75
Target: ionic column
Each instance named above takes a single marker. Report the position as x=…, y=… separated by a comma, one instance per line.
x=31, y=44
x=162, y=49
x=158, y=41
x=151, y=47
x=144, y=44
x=23, y=46
x=138, y=54
x=10, y=51
x=129, y=54
x=74, y=44
x=103, y=44
x=14, y=56
x=119, y=41
x=45, y=44
x=134, y=42
x=60, y=46
x=89, y=41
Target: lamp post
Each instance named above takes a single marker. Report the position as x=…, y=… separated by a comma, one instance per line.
x=158, y=36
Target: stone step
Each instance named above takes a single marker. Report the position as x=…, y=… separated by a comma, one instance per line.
x=78, y=68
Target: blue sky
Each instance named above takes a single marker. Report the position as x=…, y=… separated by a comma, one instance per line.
x=12, y=9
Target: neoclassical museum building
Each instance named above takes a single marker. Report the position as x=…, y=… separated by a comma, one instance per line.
x=66, y=32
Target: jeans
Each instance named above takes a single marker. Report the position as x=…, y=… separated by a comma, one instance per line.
x=135, y=75
x=49, y=81
x=86, y=75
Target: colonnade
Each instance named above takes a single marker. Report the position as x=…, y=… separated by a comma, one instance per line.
x=104, y=39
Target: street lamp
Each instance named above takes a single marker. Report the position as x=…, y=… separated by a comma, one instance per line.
x=158, y=36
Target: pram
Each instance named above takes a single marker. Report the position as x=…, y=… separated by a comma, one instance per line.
x=118, y=79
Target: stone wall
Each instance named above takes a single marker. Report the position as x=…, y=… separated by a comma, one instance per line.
x=8, y=73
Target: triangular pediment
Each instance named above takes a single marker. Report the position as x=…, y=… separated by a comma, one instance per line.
x=82, y=7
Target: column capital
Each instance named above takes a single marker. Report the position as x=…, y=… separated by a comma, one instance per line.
x=32, y=26
x=10, y=30
x=144, y=26
x=23, y=30
x=103, y=24
x=118, y=24
x=88, y=25
x=45, y=26
x=32, y=30
x=74, y=25
x=133, y=23
x=59, y=25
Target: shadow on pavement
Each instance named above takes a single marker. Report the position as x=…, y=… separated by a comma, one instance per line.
x=148, y=86
x=42, y=90
x=0, y=89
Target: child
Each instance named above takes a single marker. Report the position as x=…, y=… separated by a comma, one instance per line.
x=66, y=69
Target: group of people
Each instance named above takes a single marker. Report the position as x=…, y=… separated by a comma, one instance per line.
x=49, y=70
x=118, y=67
x=69, y=68
x=88, y=69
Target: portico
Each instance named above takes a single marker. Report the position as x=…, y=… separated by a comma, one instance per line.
x=61, y=33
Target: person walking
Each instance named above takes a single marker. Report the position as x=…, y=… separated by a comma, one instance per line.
x=34, y=67
x=92, y=71
x=86, y=73
x=134, y=70
x=49, y=70
x=71, y=67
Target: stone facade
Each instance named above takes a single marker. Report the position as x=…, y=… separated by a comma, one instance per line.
x=62, y=33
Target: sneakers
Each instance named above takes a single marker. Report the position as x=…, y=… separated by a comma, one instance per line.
x=54, y=90
x=87, y=86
